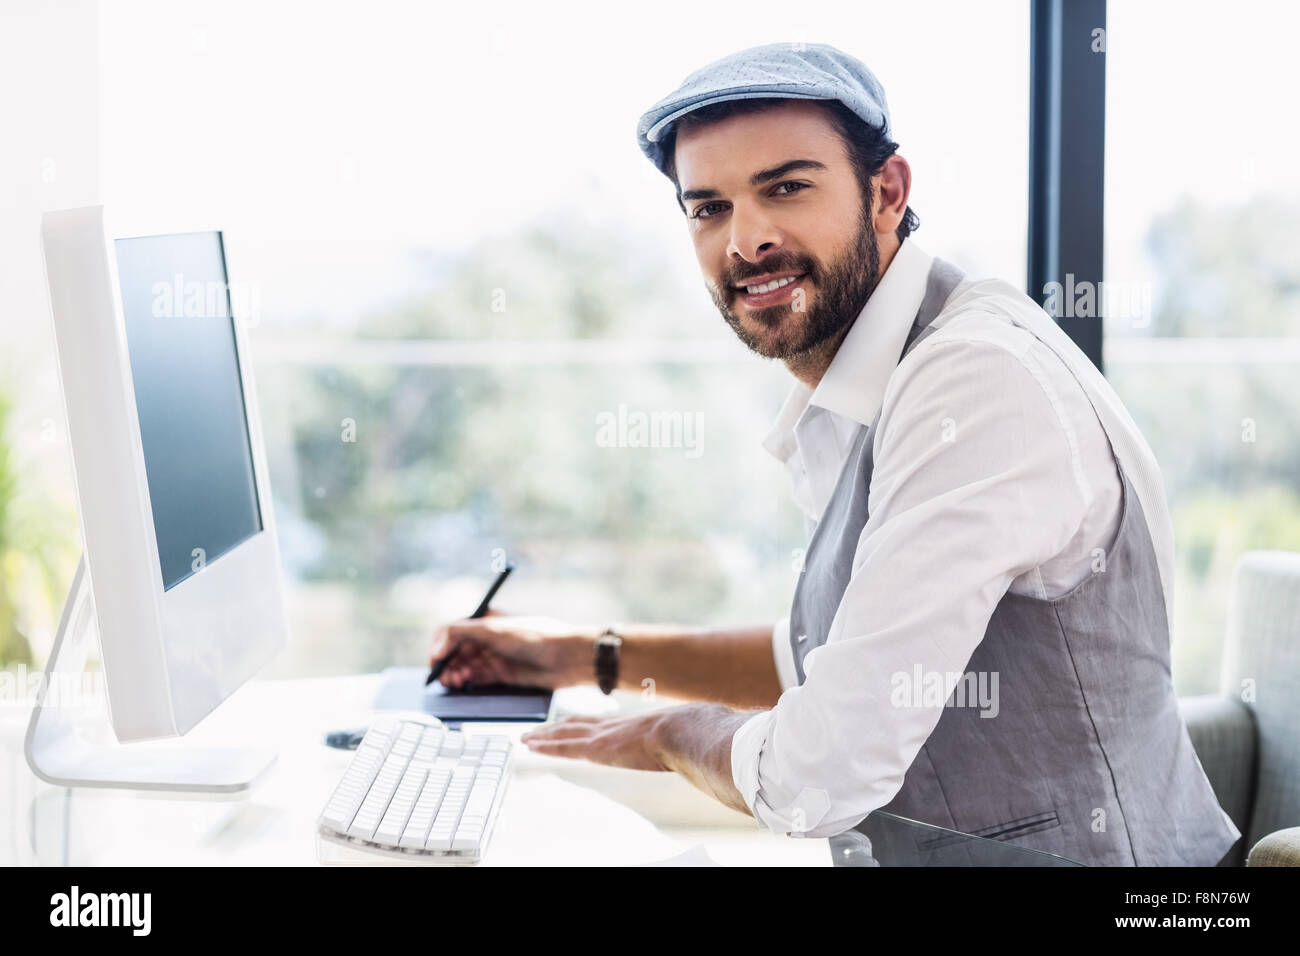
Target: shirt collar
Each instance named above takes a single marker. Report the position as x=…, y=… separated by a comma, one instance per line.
x=854, y=383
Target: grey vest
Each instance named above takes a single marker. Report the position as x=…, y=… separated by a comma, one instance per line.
x=1087, y=756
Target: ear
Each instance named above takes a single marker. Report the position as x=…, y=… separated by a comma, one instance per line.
x=893, y=184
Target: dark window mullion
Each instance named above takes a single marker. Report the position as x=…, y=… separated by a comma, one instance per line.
x=1067, y=156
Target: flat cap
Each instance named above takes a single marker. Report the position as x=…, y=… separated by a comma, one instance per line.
x=804, y=71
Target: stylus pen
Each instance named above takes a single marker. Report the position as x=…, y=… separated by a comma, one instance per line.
x=440, y=665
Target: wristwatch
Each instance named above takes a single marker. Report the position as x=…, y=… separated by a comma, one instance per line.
x=608, y=646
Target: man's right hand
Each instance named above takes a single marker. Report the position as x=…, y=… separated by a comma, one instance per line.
x=511, y=649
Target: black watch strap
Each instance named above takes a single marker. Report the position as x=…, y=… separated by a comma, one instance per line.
x=608, y=646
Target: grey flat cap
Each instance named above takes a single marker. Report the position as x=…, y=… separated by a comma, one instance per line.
x=804, y=71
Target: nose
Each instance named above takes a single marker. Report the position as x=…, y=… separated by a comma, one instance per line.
x=753, y=235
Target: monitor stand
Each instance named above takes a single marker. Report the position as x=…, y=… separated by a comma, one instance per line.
x=59, y=752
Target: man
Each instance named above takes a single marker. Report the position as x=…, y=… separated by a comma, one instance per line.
x=979, y=638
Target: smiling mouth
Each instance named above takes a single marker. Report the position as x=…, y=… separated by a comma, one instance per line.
x=771, y=293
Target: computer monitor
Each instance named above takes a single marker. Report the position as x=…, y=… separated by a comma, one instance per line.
x=180, y=543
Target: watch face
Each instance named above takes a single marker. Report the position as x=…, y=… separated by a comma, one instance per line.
x=607, y=653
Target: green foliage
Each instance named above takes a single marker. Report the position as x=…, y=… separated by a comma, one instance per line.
x=1213, y=527
x=14, y=647
x=38, y=545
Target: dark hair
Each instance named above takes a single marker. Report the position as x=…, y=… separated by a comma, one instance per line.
x=867, y=146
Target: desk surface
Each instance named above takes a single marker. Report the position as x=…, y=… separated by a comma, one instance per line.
x=556, y=811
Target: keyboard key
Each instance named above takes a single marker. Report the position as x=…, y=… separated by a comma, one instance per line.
x=337, y=819
x=439, y=839
x=467, y=839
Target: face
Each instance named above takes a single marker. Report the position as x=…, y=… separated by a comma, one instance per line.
x=788, y=252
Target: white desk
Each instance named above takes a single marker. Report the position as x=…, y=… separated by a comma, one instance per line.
x=556, y=811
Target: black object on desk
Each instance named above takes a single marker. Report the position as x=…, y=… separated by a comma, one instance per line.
x=345, y=739
x=403, y=688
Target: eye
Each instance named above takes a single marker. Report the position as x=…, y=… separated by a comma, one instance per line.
x=701, y=214
x=798, y=186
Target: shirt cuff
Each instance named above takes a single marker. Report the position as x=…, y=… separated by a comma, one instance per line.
x=807, y=810
x=746, y=748
x=783, y=655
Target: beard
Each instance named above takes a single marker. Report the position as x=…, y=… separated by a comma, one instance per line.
x=842, y=290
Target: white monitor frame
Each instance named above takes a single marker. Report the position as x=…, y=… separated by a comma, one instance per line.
x=169, y=656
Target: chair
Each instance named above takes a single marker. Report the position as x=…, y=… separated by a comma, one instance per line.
x=1248, y=735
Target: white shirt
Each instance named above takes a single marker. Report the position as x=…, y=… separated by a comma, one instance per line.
x=993, y=472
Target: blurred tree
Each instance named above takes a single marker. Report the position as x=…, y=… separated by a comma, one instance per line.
x=1213, y=528
x=452, y=460
x=38, y=545
x=1228, y=271
x=14, y=647
x=1226, y=433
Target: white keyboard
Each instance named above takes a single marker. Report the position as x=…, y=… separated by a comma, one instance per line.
x=419, y=791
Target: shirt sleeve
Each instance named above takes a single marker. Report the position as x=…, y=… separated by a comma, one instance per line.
x=974, y=484
x=782, y=655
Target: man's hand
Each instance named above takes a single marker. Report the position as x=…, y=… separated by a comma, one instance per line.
x=693, y=739
x=629, y=742
x=508, y=649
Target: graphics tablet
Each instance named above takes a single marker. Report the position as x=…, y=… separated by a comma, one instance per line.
x=403, y=689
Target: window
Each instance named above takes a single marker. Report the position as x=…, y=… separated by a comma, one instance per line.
x=478, y=327
x=1202, y=334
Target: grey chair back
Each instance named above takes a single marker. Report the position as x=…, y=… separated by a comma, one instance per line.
x=1261, y=668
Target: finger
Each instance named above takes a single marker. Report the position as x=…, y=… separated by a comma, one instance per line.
x=473, y=629
x=489, y=667
x=446, y=639
x=451, y=638
x=558, y=732
x=478, y=668
x=471, y=665
x=486, y=670
x=459, y=650
x=467, y=652
x=441, y=645
x=457, y=675
x=577, y=748
x=574, y=719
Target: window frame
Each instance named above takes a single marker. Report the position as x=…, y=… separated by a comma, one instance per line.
x=1067, y=155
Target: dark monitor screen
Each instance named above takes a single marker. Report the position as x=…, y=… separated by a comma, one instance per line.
x=189, y=397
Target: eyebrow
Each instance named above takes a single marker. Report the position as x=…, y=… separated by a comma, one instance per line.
x=759, y=178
